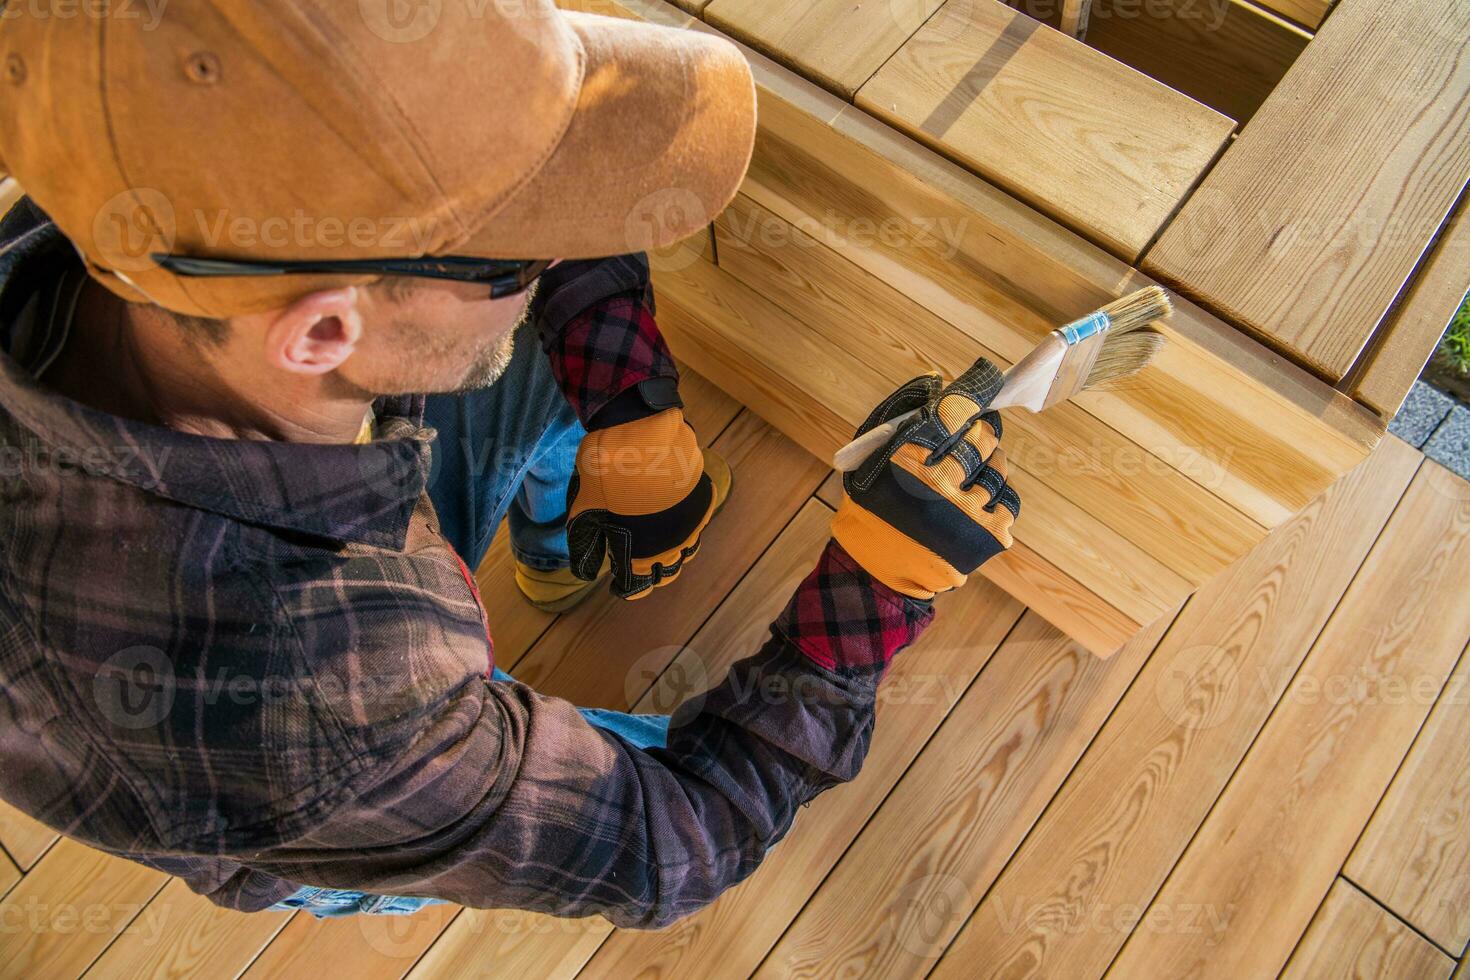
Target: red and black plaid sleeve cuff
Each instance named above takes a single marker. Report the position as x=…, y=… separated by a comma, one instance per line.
x=595, y=319
x=848, y=622
x=607, y=349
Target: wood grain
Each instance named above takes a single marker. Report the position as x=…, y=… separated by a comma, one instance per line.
x=1402, y=346
x=763, y=356
x=1351, y=936
x=24, y=838
x=838, y=43
x=1228, y=54
x=190, y=936
x=1131, y=806
x=1003, y=275
x=1269, y=850
x=729, y=938
x=830, y=492
x=69, y=907
x=908, y=882
x=1102, y=148
x=358, y=946
x=591, y=655
x=1156, y=507
x=1309, y=13
x=1415, y=855
x=1313, y=220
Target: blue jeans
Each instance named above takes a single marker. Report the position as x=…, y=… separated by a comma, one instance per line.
x=503, y=451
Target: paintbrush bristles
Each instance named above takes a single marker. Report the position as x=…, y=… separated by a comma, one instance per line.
x=1122, y=357
x=1137, y=310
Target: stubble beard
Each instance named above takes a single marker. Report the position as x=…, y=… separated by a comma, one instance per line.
x=494, y=362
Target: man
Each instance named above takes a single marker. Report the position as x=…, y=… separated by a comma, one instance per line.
x=239, y=636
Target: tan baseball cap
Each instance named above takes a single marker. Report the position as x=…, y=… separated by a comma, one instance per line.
x=293, y=129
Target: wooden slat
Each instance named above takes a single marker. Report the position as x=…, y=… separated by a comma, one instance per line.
x=1130, y=808
x=946, y=830
x=1159, y=509
x=837, y=43
x=583, y=656
x=1228, y=54
x=9, y=874
x=1308, y=13
x=1102, y=148
x=729, y=332
x=830, y=492
x=1405, y=343
x=24, y=838
x=1351, y=936
x=730, y=937
x=69, y=907
x=190, y=936
x=358, y=946
x=1271, y=847
x=1004, y=276
x=1415, y=855
x=1312, y=221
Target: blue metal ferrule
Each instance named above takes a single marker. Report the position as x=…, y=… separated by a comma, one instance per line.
x=1079, y=330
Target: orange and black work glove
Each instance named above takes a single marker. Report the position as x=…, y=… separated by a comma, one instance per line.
x=640, y=497
x=933, y=504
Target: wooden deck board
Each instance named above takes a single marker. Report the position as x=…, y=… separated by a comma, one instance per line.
x=836, y=42
x=1406, y=342
x=1101, y=147
x=1135, y=801
x=1310, y=224
x=1415, y=855
x=1272, y=845
x=1350, y=936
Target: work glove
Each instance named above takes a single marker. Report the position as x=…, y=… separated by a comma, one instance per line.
x=932, y=504
x=640, y=497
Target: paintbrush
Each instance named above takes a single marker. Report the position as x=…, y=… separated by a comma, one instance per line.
x=1094, y=352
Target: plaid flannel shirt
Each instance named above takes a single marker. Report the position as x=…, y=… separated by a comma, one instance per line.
x=258, y=665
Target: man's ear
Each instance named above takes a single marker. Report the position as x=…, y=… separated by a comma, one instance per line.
x=317, y=333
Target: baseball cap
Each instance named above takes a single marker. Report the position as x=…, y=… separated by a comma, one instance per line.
x=292, y=129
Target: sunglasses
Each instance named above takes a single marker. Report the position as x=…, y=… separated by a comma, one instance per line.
x=505, y=277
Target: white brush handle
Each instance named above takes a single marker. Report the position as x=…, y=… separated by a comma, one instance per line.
x=1026, y=386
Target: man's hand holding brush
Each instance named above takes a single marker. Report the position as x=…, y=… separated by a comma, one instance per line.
x=927, y=494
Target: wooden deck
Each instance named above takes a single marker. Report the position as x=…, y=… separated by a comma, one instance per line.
x=1270, y=779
